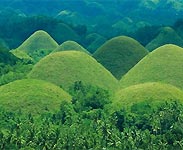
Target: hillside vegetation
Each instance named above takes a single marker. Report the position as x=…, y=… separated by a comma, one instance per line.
x=32, y=96
x=165, y=65
x=70, y=45
x=38, y=45
x=120, y=54
x=146, y=95
x=66, y=67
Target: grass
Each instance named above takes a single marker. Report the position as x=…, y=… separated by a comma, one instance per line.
x=66, y=67
x=62, y=32
x=37, y=43
x=32, y=96
x=165, y=65
x=120, y=54
x=167, y=35
x=70, y=45
x=21, y=54
x=151, y=93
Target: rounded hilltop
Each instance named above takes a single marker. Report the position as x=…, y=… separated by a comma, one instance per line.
x=66, y=67
x=120, y=54
x=32, y=96
x=39, y=44
x=70, y=45
x=165, y=65
x=146, y=94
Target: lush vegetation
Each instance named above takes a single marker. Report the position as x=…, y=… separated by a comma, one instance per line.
x=84, y=125
x=162, y=65
x=120, y=54
x=66, y=67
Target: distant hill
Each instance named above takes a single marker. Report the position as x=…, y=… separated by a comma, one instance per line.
x=165, y=65
x=62, y=32
x=150, y=93
x=66, y=67
x=120, y=54
x=166, y=36
x=32, y=96
x=70, y=45
x=38, y=45
x=94, y=41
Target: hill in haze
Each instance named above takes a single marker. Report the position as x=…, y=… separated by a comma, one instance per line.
x=166, y=36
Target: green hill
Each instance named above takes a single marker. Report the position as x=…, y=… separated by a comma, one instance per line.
x=165, y=64
x=120, y=54
x=66, y=67
x=7, y=58
x=62, y=32
x=166, y=36
x=38, y=45
x=152, y=93
x=32, y=96
x=70, y=45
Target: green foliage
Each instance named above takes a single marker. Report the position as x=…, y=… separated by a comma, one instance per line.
x=120, y=54
x=87, y=97
x=66, y=129
x=66, y=67
x=11, y=73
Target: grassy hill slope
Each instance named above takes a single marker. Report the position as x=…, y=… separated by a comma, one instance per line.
x=165, y=64
x=70, y=45
x=143, y=96
x=120, y=54
x=66, y=67
x=32, y=96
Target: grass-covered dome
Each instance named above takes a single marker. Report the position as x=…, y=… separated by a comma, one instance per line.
x=151, y=93
x=32, y=96
x=120, y=54
x=165, y=64
x=70, y=45
x=167, y=35
x=38, y=45
x=66, y=67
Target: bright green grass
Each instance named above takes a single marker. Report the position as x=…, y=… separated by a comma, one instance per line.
x=70, y=45
x=120, y=54
x=32, y=96
x=37, y=43
x=165, y=64
x=166, y=36
x=151, y=93
x=66, y=67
